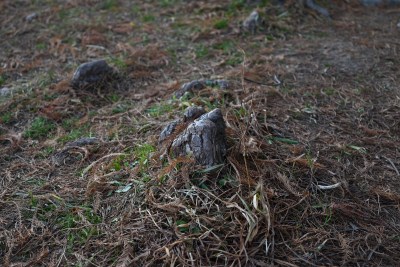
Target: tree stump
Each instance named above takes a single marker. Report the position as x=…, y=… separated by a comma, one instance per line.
x=204, y=138
x=92, y=74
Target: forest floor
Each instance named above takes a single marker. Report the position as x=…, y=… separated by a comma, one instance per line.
x=312, y=117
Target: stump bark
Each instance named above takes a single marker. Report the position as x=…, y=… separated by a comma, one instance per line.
x=204, y=138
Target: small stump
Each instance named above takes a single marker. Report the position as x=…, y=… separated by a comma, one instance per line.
x=92, y=74
x=204, y=138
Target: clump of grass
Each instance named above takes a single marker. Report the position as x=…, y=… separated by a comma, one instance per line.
x=227, y=46
x=119, y=108
x=235, y=5
x=6, y=117
x=118, y=163
x=69, y=221
x=109, y=4
x=159, y=109
x=119, y=62
x=2, y=80
x=201, y=51
x=40, y=127
x=168, y=3
x=73, y=135
x=41, y=46
x=45, y=79
x=148, y=18
x=221, y=24
x=329, y=91
x=114, y=97
x=142, y=152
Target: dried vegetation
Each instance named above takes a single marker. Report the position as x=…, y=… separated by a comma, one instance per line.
x=312, y=113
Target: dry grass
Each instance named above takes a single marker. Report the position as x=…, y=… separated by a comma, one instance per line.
x=312, y=173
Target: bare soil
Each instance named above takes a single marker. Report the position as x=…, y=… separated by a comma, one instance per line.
x=312, y=122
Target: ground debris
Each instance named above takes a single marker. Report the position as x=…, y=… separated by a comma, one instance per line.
x=311, y=173
x=61, y=156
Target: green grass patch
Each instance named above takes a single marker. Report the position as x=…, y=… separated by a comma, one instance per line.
x=47, y=151
x=234, y=59
x=118, y=62
x=45, y=79
x=73, y=130
x=227, y=46
x=221, y=24
x=148, y=18
x=142, y=153
x=6, y=117
x=74, y=134
x=240, y=112
x=329, y=91
x=182, y=226
x=235, y=5
x=40, y=127
x=69, y=124
x=159, y=109
x=168, y=3
x=50, y=96
x=119, y=108
x=2, y=80
x=283, y=140
x=114, y=97
x=109, y=5
x=137, y=156
x=229, y=49
x=41, y=46
x=119, y=163
x=79, y=228
x=201, y=51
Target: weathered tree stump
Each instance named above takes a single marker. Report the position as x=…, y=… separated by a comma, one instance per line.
x=251, y=22
x=191, y=113
x=204, y=138
x=92, y=74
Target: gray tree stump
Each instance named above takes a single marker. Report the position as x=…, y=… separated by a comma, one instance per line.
x=92, y=74
x=204, y=138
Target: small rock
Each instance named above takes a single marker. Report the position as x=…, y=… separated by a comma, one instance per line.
x=31, y=17
x=251, y=22
x=92, y=74
x=204, y=138
x=198, y=85
x=5, y=91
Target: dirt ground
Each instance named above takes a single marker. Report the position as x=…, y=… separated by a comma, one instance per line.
x=312, y=113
